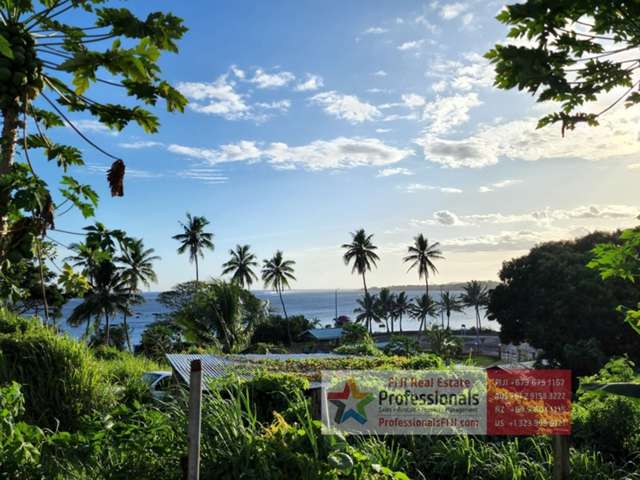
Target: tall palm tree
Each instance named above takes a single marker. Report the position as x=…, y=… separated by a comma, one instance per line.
x=361, y=251
x=476, y=295
x=449, y=303
x=276, y=274
x=423, y=307
x=368, y=310
x=421, y=255
x=401, y=306
x=240, y=265
x=137, y=270
x=194, y=239
x=386, y=303
x=107, y=296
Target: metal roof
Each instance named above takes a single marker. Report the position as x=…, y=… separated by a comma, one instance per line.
x=217, y=366
x=324, y=333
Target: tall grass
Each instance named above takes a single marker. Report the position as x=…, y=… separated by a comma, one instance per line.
x=60, y=379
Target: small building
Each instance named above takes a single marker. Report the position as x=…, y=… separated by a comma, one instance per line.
x=321, y=335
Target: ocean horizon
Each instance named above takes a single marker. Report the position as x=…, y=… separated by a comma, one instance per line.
x=314, y=304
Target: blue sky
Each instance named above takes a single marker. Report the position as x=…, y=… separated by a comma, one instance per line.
x=309, y=120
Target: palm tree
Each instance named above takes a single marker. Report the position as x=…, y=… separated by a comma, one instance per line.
x=107, y=296
x=276, y=274
x=194, y=239
x=368, y=310
x=220, y=315
x=476, y=295
x=138, y=270
x=386, y=303
x=240, y=265
x=401, y=306
x=423, y=307
x=449, y=303
x=421, y=255
x=362, y=252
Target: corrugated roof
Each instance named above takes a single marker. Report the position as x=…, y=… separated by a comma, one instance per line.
x=324, y=333
x=217, y=366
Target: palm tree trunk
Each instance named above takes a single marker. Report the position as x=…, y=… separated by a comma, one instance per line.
x=386, y=323
x=478, y=329
x=400, y=323
x=7, y=150
x=426, y=283
x=364, y=281
x=448, y=319
x=42, y=286
x=86, y=330
x=107, y=330
x=286, y=318
x=197, y=273
x=126, y=331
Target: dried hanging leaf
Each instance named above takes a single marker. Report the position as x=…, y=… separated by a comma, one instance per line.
x=115, y=176
x=47, y=215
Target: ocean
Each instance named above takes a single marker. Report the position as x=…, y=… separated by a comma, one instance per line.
x=313, y=304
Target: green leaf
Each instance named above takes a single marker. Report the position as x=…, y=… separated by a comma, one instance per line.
x=5, y=48
x=625, y=389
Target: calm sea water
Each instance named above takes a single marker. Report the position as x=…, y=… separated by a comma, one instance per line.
x=313, y=304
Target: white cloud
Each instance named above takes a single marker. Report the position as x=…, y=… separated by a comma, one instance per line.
x=413, y=100
x=138, y=144
x=338, y=153
x=412, y=45
x=521, y=140
x=445, y=113
x=216, y=98
x=420, y=187
x=279, y=105
x=346, y=107
x=375, y=31
x=93, y=126
x=380, y=73
x=546, y=216
x=441, y=217
x=383, y=130
x=507, y=240
x=450, y=11
x=495, y=186
x=263, y=79
x=467, y=18
x=440, y=86
x=237, y=72
x=130, y=172
x=471, y=71
x=312, y=82
x=207, y=175
x=389, y=172
x=634, y=166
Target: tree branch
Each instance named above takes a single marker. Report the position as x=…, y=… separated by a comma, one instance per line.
x=75, y=129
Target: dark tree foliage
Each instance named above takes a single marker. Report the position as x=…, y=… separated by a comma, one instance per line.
x=274, y=329
x=578, y=51
x=551, y=299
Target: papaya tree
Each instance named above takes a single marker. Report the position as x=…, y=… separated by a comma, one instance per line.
x=54, y=55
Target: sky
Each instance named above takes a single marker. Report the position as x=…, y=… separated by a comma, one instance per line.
x=309, y=120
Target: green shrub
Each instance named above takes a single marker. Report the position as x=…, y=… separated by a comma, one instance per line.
x=354, y=333
x=365, y=348
x=424, y=361
x=11, y=323
x=60, y=377
x=125, y=371
x=605, y=422
x=268, y=393
x=20, y=443
x=401, y=345
x=160, y=338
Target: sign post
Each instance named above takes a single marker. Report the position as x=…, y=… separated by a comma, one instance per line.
x=195, y=413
